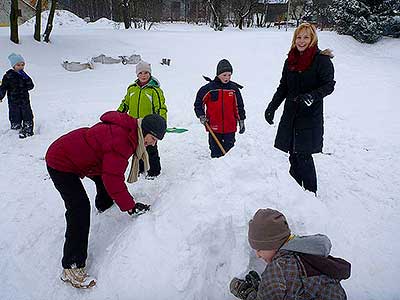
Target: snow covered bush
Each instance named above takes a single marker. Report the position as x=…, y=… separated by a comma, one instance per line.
x=355, y=18
x=366, y=21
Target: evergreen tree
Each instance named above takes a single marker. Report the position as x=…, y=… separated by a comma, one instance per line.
x=366, y=20
x=355, y=18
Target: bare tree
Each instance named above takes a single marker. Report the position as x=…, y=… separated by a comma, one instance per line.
x=125, y=6
x=49, y=26
x=14, y=14
x=197, y=11
x=242, y=9
x=217, y=20
x=260, y=13
x=38, y=20
x=300, y=9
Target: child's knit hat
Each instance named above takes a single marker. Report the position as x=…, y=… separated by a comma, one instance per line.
x=155, y=125
x=143, y=66
x=268, y=230
x=15, y=59
x=224, y=66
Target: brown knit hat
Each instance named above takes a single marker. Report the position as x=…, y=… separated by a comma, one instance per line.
x=268, y=230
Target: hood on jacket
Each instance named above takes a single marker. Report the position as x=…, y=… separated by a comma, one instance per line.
x=120, y=119
x=153, y=82
x=333, y=267
x=328, y=52
x=11, y=72
x=313, y=251
x=317, y=244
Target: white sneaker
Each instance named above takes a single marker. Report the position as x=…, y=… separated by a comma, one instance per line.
x=78, y=278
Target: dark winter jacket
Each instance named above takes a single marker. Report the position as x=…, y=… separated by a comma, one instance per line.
x=303, y=270
x=301, y=127
x=16, y=86
x=223, y=104
x=103, y=149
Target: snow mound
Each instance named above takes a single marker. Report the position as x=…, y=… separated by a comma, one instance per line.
x=104, y=23
x=62, y=18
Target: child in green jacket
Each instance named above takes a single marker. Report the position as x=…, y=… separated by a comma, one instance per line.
x=145, y=97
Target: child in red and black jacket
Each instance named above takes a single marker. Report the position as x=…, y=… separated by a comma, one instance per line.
x=219, y=103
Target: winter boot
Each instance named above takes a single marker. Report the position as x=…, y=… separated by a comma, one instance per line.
x=150, y=177
x=78, y=278
x=22, y=133
x=27, y=130
x=16, y=126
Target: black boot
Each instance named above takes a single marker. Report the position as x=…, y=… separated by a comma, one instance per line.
x=16, y=126
x=27, y=130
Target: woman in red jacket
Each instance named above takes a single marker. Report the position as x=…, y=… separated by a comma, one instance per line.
x=100, y=153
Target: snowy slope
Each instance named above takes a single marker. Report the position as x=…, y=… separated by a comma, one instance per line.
x=62, y=18
x=194, y=240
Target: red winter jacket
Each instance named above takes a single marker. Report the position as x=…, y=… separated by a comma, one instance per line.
x=103, y=149
x=223, y=103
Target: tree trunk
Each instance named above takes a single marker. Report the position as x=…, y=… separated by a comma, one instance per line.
x=125, y=14
x=217, y=25
x=197, y=12
x=49, y=26
x=38, y=23
x=244, y=14
x=241, y=21
x=14, y=21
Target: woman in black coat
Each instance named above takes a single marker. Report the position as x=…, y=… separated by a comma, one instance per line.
x=307, y=77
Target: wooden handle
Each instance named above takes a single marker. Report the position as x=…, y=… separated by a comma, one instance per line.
x=215, y=139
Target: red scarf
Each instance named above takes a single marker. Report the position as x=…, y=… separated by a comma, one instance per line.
x=300, y=62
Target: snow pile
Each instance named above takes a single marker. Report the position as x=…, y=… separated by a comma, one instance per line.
x=104, y=23
x=62, y=18
x=193, y=241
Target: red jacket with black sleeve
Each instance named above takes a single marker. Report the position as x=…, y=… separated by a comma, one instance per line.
x=222, y=103
x=102, y=150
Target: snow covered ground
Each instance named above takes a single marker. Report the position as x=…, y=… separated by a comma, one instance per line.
x=194, y=240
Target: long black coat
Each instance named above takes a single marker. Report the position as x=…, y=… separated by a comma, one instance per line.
x=301, y=127
x=16, y=86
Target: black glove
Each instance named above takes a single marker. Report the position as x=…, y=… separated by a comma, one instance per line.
x=241, y=288
x=242, y=128
x=254, y=279
x=203, y=119
x=269, y=116
x=307, y=99
x=139, y=209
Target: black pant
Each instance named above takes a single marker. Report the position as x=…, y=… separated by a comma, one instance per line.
x=154, y=161
x=21, y=112
x=302, y=169
x=77, y=214
x=103, y=201
x=227, y=141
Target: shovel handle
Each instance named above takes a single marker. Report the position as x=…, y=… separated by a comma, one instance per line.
x=215, y=138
